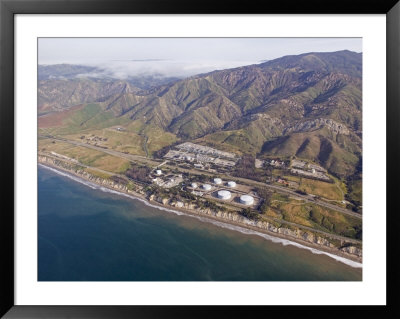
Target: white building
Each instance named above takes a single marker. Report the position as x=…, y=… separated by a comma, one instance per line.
x=158, y=172
x=231, y=184
x=225, y=195
x=246, y=200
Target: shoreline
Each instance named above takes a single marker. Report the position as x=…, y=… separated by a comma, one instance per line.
x=283, y=239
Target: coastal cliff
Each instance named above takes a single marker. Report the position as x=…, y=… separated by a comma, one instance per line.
x=342, y=248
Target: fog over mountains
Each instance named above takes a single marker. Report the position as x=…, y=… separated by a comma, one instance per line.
x=307, y=105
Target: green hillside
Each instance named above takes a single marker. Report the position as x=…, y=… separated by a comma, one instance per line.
x=307, y=105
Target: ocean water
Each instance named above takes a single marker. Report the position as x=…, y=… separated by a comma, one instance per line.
x=86, y=234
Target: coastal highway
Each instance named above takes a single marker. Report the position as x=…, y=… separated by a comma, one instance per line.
x=155, y=163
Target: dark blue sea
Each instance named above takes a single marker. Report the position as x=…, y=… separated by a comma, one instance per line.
x=86, y=234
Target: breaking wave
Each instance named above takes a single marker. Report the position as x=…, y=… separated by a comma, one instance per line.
x=284, y=242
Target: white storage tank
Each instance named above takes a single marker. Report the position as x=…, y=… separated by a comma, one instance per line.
x=231, y=184
x=158, y=172
x=225, y=195
x=194, y=185
x=246, y=200
x=217, y=181
x=206, y=187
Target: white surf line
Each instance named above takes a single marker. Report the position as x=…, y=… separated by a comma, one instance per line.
x=243, y=230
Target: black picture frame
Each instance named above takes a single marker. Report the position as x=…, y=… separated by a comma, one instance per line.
x=8, y=8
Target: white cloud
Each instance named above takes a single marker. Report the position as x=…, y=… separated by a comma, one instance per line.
x=124, y=57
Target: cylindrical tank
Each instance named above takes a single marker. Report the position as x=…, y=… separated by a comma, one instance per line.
x=246, y=200
x=158, y=172
x=217, y=181
x=224, y=195
x=194, y=185
x=206, y=187
x=231, y=184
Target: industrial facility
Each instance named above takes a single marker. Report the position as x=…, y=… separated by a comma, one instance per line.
x=214, y=188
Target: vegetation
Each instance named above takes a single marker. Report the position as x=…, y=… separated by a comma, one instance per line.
x=119, y=180
x=248, y=213
x=86, y=156
x=301, y=192
x=245, y=168
x=354, y=186
x=97, y=173
x=266, y=196
x=314, y=216
x=138, y=173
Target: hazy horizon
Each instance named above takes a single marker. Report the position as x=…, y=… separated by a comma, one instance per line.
x=179, y=57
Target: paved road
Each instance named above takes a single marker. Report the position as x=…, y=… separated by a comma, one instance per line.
x=155, y=163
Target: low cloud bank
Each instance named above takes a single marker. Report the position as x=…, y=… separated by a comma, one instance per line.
x=124, y=69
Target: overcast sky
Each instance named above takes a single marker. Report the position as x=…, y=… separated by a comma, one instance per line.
x=180, y=56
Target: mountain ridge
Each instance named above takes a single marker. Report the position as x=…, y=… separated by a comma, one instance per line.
x=290, y=106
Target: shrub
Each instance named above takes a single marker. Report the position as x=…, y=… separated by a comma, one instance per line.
x=139, y=173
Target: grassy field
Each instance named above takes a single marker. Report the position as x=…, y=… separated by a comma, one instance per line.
x=355, y=193
x=90, y=121
x=80, y=120
x=98, y=174
x=229, y=141
x=319, y=188
x=158, y=138
x=111, y=138
x=331, y=191
x=311, y=215
x=127, y=140
x=86, y=156
x=280, y=197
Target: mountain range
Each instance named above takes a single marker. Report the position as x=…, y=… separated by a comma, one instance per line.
x=307, y=105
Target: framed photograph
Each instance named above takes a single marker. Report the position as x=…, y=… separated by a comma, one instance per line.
x=160, y=155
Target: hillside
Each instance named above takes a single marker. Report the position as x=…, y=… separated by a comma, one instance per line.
x=307, y=105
